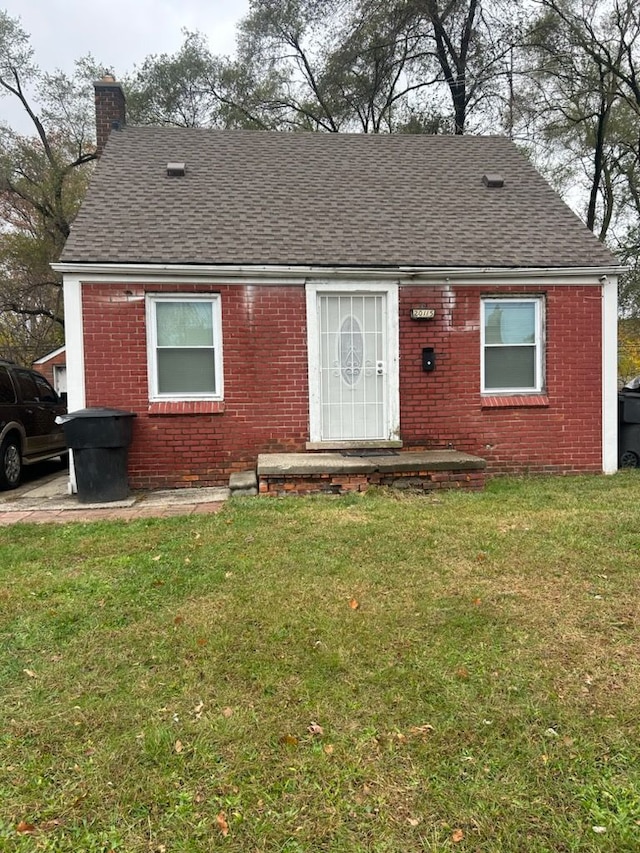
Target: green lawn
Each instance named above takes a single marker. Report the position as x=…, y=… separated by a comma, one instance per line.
x=370, y=673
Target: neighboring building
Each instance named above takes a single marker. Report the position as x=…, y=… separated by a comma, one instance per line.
x=247, y=292
x=53, y=366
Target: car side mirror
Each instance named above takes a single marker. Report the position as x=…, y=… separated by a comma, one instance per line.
x=63, y=397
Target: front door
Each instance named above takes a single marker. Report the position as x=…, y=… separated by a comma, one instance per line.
x=352, y=367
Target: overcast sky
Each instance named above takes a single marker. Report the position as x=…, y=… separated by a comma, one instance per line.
x=118, y=33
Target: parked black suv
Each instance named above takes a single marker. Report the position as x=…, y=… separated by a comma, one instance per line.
x=28, y=429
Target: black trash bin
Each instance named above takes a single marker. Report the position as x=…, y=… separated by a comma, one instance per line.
x=629, y=425
x=100, y=440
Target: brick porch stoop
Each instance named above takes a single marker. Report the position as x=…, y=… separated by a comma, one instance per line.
x=338, y=473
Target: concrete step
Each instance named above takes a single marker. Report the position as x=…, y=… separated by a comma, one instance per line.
x=243, y=484
x=337, y=473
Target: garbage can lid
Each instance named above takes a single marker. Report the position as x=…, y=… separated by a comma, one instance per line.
x=632, y=384
x=100, y=412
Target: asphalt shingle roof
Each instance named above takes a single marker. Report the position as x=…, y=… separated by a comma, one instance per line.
x=256, y=197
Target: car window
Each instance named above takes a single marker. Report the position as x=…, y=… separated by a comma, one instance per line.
x=45, y=391
x=7, y=391
x=27, y=386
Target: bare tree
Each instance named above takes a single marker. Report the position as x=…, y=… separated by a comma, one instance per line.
x=42, y=182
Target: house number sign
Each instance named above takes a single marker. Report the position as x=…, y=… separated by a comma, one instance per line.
x=423, y=313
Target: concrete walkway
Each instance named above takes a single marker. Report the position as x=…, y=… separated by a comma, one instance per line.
x=47, y=500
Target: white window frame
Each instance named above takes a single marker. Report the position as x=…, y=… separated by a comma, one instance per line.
x=540, y=344
x=152, y=300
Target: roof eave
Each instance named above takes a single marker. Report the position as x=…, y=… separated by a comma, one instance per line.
x=300, y=273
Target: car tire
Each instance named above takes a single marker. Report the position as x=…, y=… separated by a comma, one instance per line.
x=10, y=464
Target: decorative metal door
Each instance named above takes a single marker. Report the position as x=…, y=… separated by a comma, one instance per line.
x=353, y=369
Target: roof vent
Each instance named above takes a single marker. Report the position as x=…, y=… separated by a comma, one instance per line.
x=493, y=179
x=175, y=170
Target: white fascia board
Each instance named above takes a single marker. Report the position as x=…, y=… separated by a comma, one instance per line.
x=582, y=276
x=277, y=274
x=50, y=355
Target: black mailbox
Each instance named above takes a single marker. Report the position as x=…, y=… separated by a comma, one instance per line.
x=428, y=359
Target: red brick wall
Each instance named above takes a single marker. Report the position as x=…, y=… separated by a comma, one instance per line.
x=562, y=432
x=265, y=372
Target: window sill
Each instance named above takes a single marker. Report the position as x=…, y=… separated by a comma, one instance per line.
x=510, y=401
x=364, y=444
x=186, y=407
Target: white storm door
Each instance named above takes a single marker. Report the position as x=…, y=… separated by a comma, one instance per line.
x=353, y=364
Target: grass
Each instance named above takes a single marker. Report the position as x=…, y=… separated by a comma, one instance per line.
x=370, y=673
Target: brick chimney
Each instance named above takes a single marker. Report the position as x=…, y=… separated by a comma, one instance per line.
x=110, y=109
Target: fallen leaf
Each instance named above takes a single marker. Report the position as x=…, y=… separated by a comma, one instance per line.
x=30, y=673
x=354, y=604
x=328, y=748
x=477, y=601
x=156, y=558
x=315, y=729
x=202, y=641
x=223, y=826
x=457, y=835
x=178, y=747
x=227, y=712
x=288, y=740
x=50, y=824
x=178, y=620
x=599, y=830
x=413, y=821
x=462, y=673
x=23, y=827
x=421, y=730
x=157, y=583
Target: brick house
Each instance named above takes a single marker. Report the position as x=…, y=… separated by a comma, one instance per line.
x=250, y=292
x=53, y=366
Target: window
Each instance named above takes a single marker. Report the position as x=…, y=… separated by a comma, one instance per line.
x=46, y=394
x=512, y=345
x=7, y=393
x=185, y=347
x=28, y=389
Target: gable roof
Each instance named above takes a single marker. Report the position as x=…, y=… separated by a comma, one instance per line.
x=259, y=197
